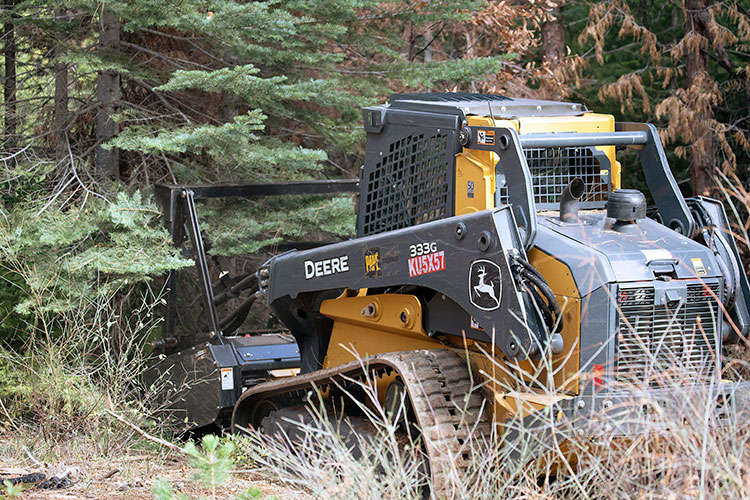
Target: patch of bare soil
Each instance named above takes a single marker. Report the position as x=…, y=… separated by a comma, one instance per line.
x=131, y=476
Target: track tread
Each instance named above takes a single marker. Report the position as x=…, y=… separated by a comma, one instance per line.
x=437, y=381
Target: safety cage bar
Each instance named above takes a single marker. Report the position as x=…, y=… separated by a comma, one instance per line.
x=513, y=166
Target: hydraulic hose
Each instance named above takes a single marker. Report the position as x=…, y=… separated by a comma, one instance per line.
x=530, y=273
x=729, y=268
x=245, y=282
x=235, y=319
x=537, y=298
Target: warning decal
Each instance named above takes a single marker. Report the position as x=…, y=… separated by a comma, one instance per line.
x=700, y=270
x=475, y=324
x=486, y=137
x=227, y=379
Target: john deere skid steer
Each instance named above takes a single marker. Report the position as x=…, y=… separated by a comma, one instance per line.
x=494, y=233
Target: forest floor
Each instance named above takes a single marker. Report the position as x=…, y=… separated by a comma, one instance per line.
x=131, y=475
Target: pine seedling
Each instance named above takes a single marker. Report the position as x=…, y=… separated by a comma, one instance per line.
x=162, y=491
x=10, y=490
x=212, y=464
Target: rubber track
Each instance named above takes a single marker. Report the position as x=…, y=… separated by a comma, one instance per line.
x=439, y=383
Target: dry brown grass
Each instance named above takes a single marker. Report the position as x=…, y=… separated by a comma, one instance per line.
x=131, y=475
x=674, y=449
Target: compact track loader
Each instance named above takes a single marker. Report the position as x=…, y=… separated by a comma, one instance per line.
x=493, y=234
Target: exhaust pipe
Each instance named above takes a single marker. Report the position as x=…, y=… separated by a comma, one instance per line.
x=569, y=200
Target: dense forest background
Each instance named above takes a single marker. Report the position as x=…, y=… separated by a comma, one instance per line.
x=101, y=100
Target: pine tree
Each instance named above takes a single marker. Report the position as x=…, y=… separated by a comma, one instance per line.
x=112, y=98
x=10, y=83
x=297, y=74
x=684, y=66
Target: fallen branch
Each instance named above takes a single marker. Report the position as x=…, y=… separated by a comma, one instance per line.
x=143, y=433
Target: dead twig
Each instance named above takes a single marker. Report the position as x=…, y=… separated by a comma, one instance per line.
x=111, y=473
x=2, y=406
x=31, y=457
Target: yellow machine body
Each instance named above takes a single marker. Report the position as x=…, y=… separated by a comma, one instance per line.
x=372, y=324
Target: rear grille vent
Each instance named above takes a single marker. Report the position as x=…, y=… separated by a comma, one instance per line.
x=409, y=185
x=653, y=338
x=553, y=168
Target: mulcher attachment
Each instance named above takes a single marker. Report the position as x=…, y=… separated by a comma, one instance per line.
x=199, y=386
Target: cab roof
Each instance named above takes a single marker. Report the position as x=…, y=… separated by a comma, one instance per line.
x=496, y=106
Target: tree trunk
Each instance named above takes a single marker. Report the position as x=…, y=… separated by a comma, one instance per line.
x=108, y=96
x=408, y=49
x=428, y=46
x=9, y=84
x=60, y=117
x=230, y=103
x=696, y=71
x=553, y=36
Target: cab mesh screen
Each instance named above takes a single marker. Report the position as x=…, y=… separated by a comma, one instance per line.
x=553, y=168
x=409, y=185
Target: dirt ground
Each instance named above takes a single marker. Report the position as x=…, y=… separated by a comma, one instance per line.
x=132, y=475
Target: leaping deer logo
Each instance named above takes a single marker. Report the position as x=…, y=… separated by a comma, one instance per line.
x=483, y=287
x=485, y=280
